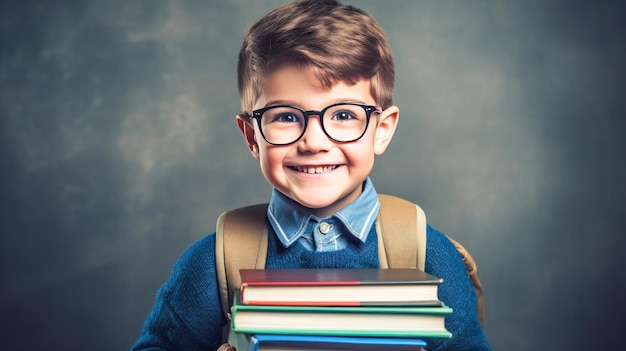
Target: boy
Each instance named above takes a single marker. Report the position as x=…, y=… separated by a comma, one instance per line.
x=316, y=85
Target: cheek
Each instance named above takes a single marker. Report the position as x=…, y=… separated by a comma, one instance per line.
x=271, y=159
x=361, y=154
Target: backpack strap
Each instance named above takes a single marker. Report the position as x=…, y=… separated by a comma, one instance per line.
x=244, y=245
x=401, y=230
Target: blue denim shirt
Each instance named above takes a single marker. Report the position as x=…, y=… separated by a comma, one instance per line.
x=333, y=233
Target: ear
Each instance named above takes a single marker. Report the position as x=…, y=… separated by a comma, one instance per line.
x=247, y=130
x=385, y=128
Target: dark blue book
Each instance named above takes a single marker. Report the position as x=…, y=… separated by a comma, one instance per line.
x=276, y=342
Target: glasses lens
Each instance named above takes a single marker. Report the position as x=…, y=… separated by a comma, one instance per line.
x=282, y=125
x=345, y=122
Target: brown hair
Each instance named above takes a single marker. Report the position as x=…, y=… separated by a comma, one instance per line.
x=338, y=42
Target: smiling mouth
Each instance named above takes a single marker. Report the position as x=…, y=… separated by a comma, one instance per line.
x=314, y=170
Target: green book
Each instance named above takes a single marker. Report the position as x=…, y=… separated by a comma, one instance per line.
x=380, y=321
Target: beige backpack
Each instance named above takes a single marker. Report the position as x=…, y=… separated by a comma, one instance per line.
x=241, y=242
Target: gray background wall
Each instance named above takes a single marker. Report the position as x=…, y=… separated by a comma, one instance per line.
x=119, y=148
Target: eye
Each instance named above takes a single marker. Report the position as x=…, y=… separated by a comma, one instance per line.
x=343, y=115
x=285, y=117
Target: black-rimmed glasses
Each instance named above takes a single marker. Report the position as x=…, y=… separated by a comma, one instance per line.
x=342, y=122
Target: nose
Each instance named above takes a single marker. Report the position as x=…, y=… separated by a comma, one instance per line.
x=314, y=139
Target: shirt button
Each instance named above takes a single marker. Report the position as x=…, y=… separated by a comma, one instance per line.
x=325, y=227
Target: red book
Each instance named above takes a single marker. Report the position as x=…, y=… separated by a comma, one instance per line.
x=339, y=287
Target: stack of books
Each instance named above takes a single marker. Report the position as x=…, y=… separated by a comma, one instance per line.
x=336, y=309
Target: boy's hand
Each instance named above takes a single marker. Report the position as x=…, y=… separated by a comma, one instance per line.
x=226, y=347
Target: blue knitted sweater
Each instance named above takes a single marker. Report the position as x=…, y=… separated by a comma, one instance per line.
x=187, y=314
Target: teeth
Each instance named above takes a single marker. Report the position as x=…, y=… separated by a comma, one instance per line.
x=314, y=170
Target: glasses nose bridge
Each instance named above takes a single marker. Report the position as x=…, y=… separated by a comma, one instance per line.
x=309, y=113
x=318, y=113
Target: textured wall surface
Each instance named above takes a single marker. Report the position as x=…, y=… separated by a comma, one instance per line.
x=119, y=148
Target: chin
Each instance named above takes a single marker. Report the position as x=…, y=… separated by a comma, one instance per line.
x=314, y=202
x=316, y=205
x=321, y=205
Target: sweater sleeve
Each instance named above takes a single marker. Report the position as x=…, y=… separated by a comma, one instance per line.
x=187, y=313
x=444, y=261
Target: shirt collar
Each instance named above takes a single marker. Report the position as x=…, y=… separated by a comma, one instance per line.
x=290, y=222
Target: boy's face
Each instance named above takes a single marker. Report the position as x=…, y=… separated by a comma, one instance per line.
x=315, y=171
